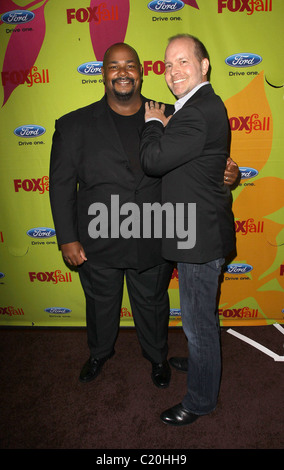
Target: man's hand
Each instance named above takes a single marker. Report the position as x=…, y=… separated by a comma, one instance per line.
x=73, y=253
x=154, y=110
x=231, y=172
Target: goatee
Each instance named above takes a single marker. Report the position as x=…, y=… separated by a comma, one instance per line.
x=120, y=95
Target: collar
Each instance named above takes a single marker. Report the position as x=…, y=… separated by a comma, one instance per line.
x=179, y=103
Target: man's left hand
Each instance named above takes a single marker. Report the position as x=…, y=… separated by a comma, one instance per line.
x=231, y=172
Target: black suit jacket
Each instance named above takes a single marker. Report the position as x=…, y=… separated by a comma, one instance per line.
x=89, y=165
x=190, y=154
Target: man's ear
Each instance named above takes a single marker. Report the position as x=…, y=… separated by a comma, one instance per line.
x=103, y=74
x=205, y=66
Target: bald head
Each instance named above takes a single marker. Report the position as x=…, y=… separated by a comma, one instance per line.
x=120, y=46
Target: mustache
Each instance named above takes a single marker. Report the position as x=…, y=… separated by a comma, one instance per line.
x=122, y=79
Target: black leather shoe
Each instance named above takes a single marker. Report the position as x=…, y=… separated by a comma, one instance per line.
x=161, y=374
x=178, y=416
x=92, y=368
x=179, y=363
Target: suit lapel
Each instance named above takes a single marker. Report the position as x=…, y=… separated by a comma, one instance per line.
x=203, y=91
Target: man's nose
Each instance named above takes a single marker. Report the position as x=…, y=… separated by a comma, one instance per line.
x=122, y=71
x=175, y=69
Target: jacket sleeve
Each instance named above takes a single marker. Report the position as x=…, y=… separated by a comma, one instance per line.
x=63, y=186
x=164, y=149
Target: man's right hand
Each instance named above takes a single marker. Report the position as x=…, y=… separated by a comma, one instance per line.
x=73, y=253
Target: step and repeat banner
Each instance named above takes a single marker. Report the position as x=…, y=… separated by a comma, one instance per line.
x=50, y=56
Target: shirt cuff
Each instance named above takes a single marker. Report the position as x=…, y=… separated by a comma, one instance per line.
x=154, y=119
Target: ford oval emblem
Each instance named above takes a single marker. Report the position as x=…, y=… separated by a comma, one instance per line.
x=175, y=312
x=29, y=131
x=2, y=275
x=238, y=268
x=90, y=68
x=17, y=16
x=247, y=172
x=243, y=60
x=41, y=232
x=57, y=310
x=165, y=6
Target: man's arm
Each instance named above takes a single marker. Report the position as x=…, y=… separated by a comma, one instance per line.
x=63, y=197
x=164, y=149
x=154, y=110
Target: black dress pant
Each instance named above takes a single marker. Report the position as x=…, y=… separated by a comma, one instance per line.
x=148, y=295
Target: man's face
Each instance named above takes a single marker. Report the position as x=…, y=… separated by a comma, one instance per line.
x=183, y=69
x=122, y=74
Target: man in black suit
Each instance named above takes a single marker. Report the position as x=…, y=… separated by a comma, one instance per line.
x=189, y=151
x=97, y=148
x=95, y=164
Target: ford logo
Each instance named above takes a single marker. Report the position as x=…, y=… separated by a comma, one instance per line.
x=29, y=131
x=57, y=310
x=175, y=312
x=243, y=60
x=17, y=16
x=2, y=275
x=165, y=6
x=247, y=172
x=90, y=68
x=238, y=268
x=41, y=232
